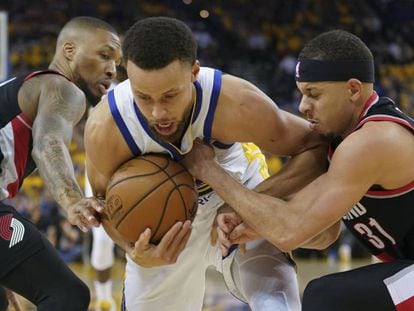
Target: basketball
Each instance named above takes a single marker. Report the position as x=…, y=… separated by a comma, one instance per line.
x=151, y=191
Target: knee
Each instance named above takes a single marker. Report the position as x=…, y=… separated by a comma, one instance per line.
x=78, y=295
x=319, y=295
x=74, y=296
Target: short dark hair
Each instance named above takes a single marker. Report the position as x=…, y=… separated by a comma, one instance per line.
x=88, y=22
x=336, y=45
x=155, y=42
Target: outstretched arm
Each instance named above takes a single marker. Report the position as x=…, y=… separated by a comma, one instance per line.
x=245, y=114
x=231, y=229
x=324, y=239
x=315, y=208
x=61, y=105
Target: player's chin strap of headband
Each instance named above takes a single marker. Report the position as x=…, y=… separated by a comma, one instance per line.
x=311, y=70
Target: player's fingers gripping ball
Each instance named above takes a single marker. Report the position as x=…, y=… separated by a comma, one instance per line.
x=151, y=191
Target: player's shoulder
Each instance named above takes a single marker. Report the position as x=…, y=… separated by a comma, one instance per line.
x=59, y=96
x=100, y=126
x=208, y=75
x=103, y=141
x=50, y=82
x=99, y=116
x=232, y=83
x=59, y=85
x=377, y=150
x=52, y=78
x=384, y=133
x=239, y=90
x=377, y=141
x=242, y=95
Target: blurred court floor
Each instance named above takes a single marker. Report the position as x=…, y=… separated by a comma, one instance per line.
x=217, y=298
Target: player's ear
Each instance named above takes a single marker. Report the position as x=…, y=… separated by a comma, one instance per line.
x=69, y=50
x=195, y=70
x=354, y=89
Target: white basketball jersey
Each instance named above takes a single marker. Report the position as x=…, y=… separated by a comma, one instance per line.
x=181, y=285
x=141, y=140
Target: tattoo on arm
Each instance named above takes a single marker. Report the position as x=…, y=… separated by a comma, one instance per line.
x=56, y=168
x=61, y=105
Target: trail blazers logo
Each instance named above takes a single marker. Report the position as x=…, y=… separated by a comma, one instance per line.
x=11, y=229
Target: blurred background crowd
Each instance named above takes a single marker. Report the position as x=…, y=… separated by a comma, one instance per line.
x=257, y=40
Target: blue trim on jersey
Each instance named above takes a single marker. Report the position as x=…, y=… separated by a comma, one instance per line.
x=232, y=248
x=212, y=107
x=199, y=99
x=121, y=124
x=173, y=152
x=220, y=145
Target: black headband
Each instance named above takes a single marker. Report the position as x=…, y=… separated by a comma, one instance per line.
x=310, y=70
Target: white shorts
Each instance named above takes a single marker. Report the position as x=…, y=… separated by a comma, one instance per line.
x=181, y=286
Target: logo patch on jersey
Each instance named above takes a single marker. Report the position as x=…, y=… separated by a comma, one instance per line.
x=297, y=70
x=11, y=229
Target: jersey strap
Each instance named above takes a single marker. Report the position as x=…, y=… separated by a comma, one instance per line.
x=121, y=124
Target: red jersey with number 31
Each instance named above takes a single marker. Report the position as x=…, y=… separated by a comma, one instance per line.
x=383, y=220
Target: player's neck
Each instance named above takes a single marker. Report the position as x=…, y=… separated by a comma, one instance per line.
x=368, y=96
x=63, y=68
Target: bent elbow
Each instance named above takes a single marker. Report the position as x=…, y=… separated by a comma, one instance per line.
x=323, y=245
x=285, y=244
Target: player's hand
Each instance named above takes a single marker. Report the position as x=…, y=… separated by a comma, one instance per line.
x=232, y=230
x=86, y=213
x=242, y=234
x=225, y=208
x=199, y=159
x=13, y=300
x=226, y=222
x=166, y=252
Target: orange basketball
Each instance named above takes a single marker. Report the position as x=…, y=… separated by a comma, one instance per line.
x=151, y=191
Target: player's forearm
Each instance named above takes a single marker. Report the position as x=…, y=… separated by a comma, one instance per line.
x=56, y=169
x=263, y=213
x=324, y=239
x=299, y=171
